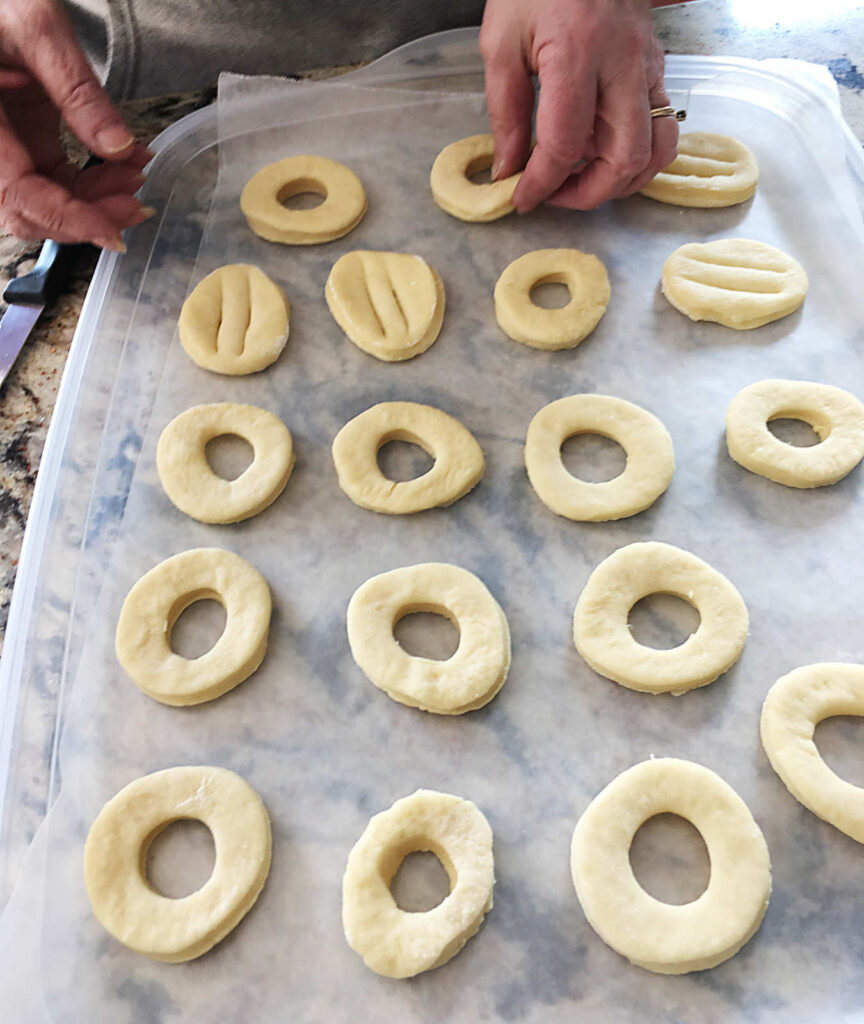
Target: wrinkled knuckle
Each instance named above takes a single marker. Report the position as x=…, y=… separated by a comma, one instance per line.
x=633, y=163
x=489, y=42
x=81, y=94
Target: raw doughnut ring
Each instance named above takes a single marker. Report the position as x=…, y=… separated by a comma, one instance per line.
x=456, y=194
x=523, y=320
x=235, y=321
x=471, y=677
x=836, y=417
x=123, y=901
x=458, y=458
x=155, y=603
x=188, y=480
x=603, y=638
x=795, y=705
x=710, y=170
x=342, y=210
x=646, y=442
x=660, y=936
x=398, y=943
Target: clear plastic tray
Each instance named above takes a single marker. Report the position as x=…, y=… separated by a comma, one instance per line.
x=124, y=371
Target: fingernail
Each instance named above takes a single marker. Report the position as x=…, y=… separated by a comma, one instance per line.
x=114, y=243
x=114, y=139
x=496, y=170
x=138, y=181
x=146, y=212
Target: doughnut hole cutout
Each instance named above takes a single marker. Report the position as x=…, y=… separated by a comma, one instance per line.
x=794, y=431
x=551, y=293
x=421, y=882
x=180, y=859
x=663, y=621
x=840, y=742
x=593, y=458
x=303, y=194
x=402, y=460
x=431, y=633
x=229, y=455
x=670, y=860
x=197, y=627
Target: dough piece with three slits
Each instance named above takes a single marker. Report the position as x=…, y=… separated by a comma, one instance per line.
x=710, y=170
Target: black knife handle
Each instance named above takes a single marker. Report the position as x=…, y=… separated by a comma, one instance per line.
x=42, y=285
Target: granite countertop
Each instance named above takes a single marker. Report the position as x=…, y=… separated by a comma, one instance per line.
x=744, y=28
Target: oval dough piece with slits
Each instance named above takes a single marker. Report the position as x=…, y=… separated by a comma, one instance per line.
x=710, y=170
x=235, y=321
x=390, y=304
x=734, y=281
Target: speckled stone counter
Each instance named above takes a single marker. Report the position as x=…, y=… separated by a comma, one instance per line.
x=746, y=28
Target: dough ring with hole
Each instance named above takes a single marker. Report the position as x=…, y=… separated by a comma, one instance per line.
x=837, y=418
x=153, y=605
x=390, y=304
x=734, y=281
x=646, y=442
x=458, y=458
x=188, y=480
x=456, y=194
x=398, y=943
x=467, y=680
x=795, y=705
x=342, y=210
x=523, y=320
x=175, y=930
x=602, y=634
x=235, y=321
x=710, y=170
x=660, y=936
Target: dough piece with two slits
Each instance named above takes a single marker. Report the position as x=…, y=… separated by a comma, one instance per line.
x=710, y=170
x=235, y=321
x=736, y=282
x=390, y=304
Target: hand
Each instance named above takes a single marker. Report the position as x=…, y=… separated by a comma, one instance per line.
x=600, y=68
x=43, y=76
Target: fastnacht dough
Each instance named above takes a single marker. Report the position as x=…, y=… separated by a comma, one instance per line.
x=602, y=634
x=646, y=443
x=390, y=304
x=456, y=194
x=190, y=483
x=710, y=170
x=734, y=281
x=659, y=936
x=837, y=418
x=467, y=680
x=264, y=194
x=175, y=930
x=398, y=943
x=153, y=605
x=235, y=321
x=523, y=320
x=795, y=705
x=458, y=458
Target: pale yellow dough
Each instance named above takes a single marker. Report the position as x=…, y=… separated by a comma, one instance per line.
x=710, y=170
x=188, y=480
x=175, y=930
x=456, y=194
x=658, y=936
x=342, y=210
x=153, y=605
x=471, y=677
x=734, y=281
x=523, y=320
x=398, y=943
x=458, y=458
x=390, y=304
x=646, y=442
x=837, y=418
x=795, y=705
x=235, y=321
x=602, y=634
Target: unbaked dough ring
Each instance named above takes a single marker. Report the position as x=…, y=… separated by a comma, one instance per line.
x=734, y=281
x=837, y=418
x=795, y=705
x=175, y=930
x=188, y=480
x=468, y=679
x=390, y=304
x=523, y=320
x=659, y=936
x=398, y=943
x=603, y=637
x=456, y=194
x=710, y=171
x=646, y=442
x=342, y=210
x=458, y=458
x=235, y=321
x=153, y=605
